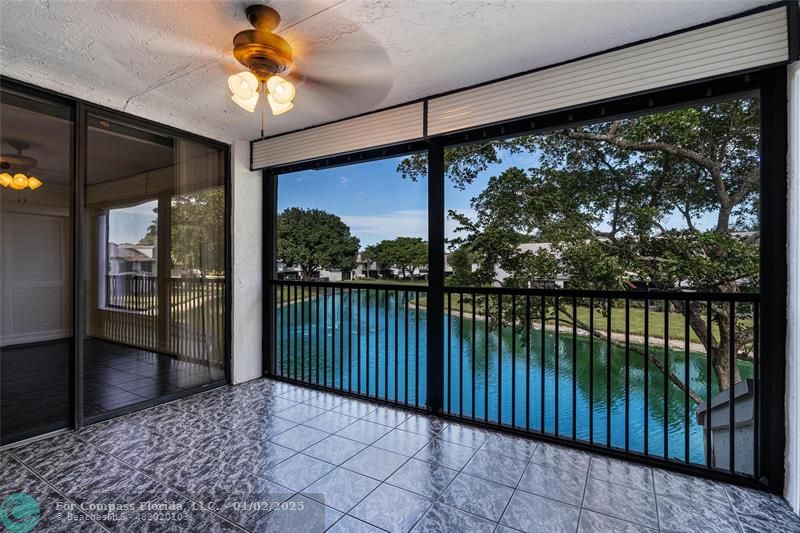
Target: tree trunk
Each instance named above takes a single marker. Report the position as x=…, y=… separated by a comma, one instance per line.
x=717, y=350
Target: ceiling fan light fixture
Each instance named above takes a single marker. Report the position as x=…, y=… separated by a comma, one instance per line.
x=248, y=104
x=281, y=90
x=5, y=179
x=243, y=85
x=34, y=183
x=277, y=107
x=19, y=182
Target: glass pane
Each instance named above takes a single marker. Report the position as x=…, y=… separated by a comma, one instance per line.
x=154, y=262
x=35, y=267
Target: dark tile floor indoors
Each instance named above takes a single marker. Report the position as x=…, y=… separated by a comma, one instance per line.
x=270, y=456
x=34, y=392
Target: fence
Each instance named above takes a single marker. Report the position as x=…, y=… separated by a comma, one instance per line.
x=195, y=320
x=662, y=375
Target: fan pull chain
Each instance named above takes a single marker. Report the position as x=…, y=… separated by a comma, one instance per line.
x=263, y=97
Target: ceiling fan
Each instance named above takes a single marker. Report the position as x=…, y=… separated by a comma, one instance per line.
x=266, y=55
x=21, y=165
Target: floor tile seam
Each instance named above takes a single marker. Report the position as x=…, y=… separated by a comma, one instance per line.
x=153, y=479
x=53, y=487
x=230, y=465
x=735, y=512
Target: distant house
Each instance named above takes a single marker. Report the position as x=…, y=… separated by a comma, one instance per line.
x=534, y=283
x=132, y=259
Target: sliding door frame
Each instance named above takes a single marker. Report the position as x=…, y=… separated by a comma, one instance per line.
x=80, y=112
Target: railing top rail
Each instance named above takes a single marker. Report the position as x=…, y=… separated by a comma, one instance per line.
x=355, y=285
x=616, y=294
x=577, y=293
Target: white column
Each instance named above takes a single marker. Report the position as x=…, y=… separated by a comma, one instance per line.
x=792, y=488
x=247, y=242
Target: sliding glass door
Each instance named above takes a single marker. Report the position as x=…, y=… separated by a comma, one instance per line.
x=153, y=263
x=36, y=317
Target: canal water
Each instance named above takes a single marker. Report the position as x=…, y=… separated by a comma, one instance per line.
x=515, y=383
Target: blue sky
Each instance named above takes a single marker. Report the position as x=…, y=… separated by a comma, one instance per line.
x=377, y=203
x=374, y=200
x=129, y=224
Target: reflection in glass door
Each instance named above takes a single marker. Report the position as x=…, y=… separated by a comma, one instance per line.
x=154, y=265
x=36, y=318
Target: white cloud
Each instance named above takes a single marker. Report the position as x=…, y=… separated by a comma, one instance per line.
x=405, y=223
x=344, y=180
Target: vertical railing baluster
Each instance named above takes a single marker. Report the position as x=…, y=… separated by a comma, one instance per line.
x=527, y=362
x=542, y=350
x=627, y=372
x=316, y=332
x=448, y=382
x=377, y=342
x=367, y=347
x=358, y=336
x=386, y=344
x=646, y=405
x=732, y=386
x=416, y=348
x=666, y=378
x=687, y=356
x=609, y=354
x=756, y=391
x=499, y=358
x=557, y=352
x=396, y=345
x=325, y=335
x=591, y=369
x=405, y=344
x=513, y=358
x=349, y=340
x=296, y=311
x=474, y=300
x=275, y=333
x=486, y=360
x=709, y=349
x=574, y=367
x=461, y=354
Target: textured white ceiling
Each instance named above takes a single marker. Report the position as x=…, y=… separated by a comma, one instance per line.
x=169, y=60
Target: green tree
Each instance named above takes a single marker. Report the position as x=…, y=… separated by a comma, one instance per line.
x=315, y=239
x=197, y=230
x=404, y=253
x=461, y=260
x=606, y=196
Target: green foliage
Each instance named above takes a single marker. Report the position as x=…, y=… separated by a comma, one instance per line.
x=607, y=194
x=405, y=253
x=461, y=260
x=315, y=239
x=197, y=230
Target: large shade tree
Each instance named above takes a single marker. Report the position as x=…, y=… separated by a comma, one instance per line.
x=314, y=239
x=667, y=198
x=404, y=253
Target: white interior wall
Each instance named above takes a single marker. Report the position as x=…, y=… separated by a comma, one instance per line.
x=792, y=488
x=247, y=283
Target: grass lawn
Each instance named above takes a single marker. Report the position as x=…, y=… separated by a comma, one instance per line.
x=636, y=318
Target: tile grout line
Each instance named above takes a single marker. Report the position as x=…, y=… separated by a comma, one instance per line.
x=438, y=499
x=161, y=483
x=53, y=487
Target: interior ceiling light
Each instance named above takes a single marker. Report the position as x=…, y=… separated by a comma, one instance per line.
x=266, y=55
x=20, y=166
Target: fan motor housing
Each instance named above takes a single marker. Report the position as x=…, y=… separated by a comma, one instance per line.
x=261, y=51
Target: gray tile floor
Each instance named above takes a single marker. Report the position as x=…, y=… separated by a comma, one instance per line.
x=270, y=456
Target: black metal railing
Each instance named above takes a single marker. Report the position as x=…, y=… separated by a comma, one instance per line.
x=661, y=375
x=356, y=337
x=189, y=322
